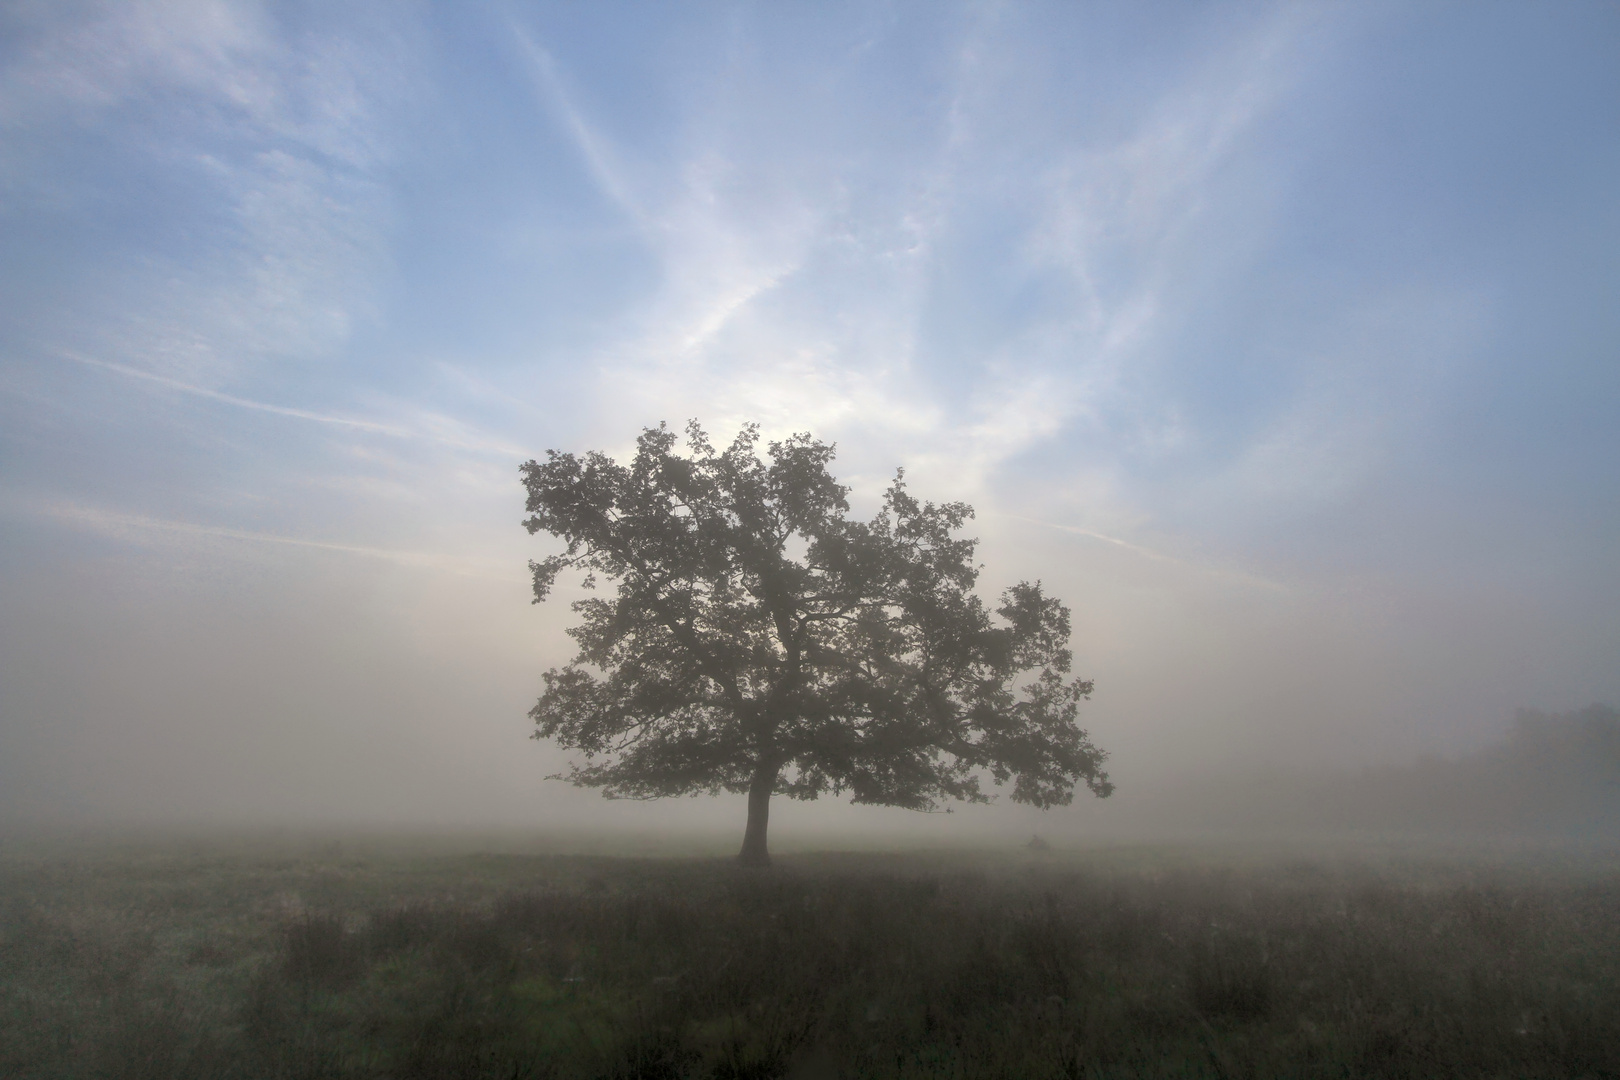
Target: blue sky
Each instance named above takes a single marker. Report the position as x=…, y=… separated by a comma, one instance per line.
x=1279, y=339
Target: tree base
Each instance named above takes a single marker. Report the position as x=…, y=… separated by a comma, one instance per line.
x=754, y=850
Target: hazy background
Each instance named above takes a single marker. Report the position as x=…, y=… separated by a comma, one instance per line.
x=1279, y=340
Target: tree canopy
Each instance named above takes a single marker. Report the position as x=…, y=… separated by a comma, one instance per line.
x=760, y=641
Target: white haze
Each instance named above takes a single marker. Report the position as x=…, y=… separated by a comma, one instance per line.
x=1276, y=340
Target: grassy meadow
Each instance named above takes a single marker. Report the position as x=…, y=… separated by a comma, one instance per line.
x=324, y=959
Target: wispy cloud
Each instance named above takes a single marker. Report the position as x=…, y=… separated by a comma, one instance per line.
x=1118, y=217
x=692, y=215
x=593, y=147
x=1353, y=403
x=752, y=318
x=274, y=149
x=713, y=263
x=99, y=61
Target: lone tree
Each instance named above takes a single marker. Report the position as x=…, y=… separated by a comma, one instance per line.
x=762, y=642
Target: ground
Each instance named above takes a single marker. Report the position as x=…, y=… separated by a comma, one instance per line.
x=303, y=957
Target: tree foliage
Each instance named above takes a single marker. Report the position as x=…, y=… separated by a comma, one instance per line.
x=759, y=640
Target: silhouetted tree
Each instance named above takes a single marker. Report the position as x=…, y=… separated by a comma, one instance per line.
x=761, y=642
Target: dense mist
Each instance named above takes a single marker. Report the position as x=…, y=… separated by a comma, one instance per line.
x=1275, y=342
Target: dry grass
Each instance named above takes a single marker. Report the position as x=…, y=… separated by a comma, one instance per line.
x=1100, y=965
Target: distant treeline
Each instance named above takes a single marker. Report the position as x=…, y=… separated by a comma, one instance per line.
x=1553, y=774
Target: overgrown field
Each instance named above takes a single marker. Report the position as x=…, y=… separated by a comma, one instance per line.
x=345, y=962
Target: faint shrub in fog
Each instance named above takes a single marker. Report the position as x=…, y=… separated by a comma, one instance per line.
x=404, y=927
x=316, y=948
x=1229, y=976
x=1551, y=775
x=1562, y=771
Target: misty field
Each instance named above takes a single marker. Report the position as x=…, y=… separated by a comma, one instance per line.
x=380, y=960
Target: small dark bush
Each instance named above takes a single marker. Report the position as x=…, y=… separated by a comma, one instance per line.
x=315, y=948
x=409, y=926
x=1230, y=977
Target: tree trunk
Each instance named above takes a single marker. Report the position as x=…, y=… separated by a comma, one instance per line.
x=759, y=815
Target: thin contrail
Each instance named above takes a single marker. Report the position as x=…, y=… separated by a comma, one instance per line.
x=1155, y=555
x=476, y=443
x=111, y=521
x=241, y=402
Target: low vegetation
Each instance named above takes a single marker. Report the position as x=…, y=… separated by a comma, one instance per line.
x=1122, y=963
